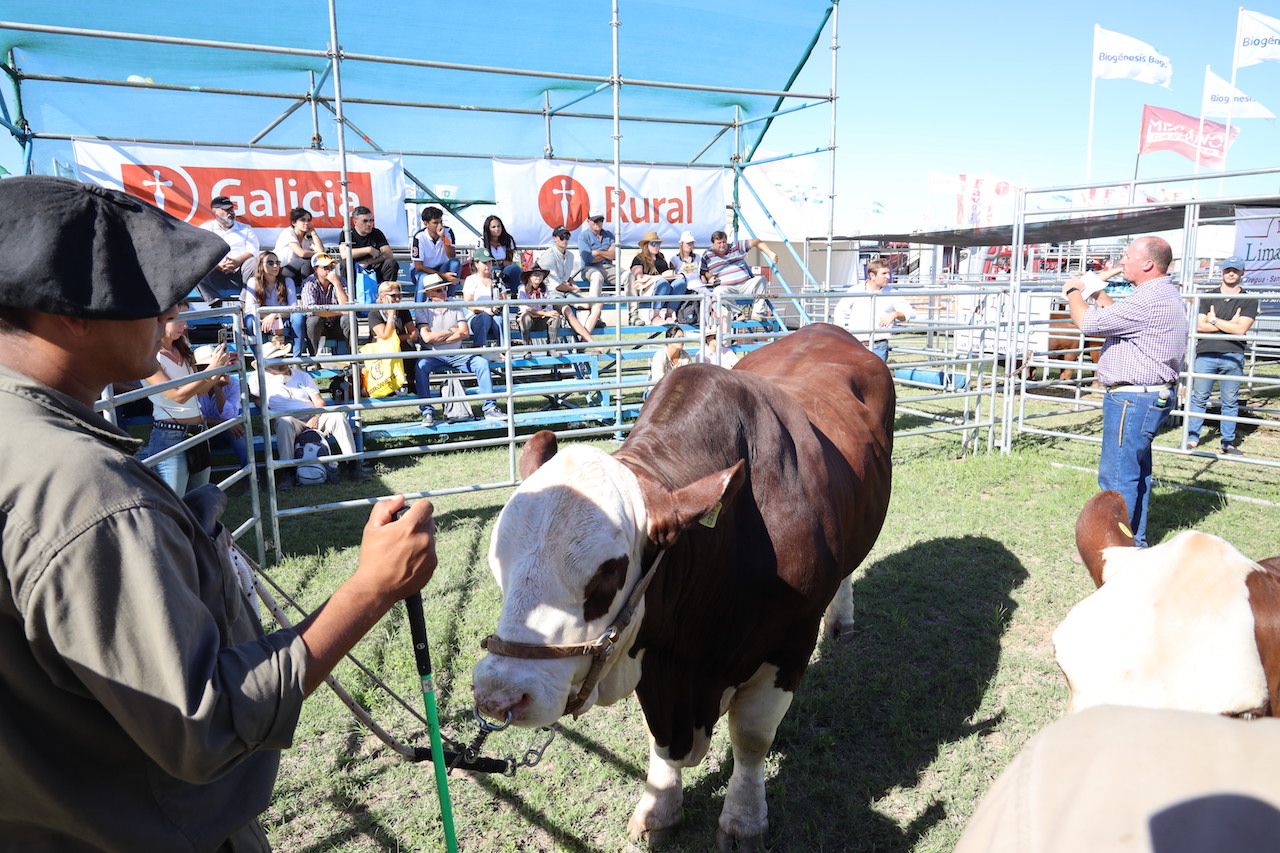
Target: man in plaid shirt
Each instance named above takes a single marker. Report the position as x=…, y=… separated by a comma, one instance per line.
x=1142, y=355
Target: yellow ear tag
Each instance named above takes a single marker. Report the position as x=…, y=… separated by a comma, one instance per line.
x=709, y=520
x=1124, y=528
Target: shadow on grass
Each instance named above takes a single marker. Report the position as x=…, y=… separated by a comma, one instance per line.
x=876, y=708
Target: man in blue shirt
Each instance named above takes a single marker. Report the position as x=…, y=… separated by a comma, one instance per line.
x=599, y=250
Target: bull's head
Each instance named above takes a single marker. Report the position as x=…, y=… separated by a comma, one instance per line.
x=568, y=549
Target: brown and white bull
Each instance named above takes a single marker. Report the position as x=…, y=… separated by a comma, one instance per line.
x=743, y=499
x=1190, y=624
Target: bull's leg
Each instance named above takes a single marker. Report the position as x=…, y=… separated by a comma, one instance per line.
x=659, y=809
x=838, y=620
x=754, y=715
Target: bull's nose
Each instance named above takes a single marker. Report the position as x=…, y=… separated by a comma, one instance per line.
x=497, y=707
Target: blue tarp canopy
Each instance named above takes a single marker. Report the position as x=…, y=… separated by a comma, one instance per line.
x=190, y=91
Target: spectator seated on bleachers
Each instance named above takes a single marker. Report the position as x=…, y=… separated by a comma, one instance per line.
x=290, y=389
x=668, y=358
x=712, y=352
x=297, y=244
x=271, y=287
x=220, y=405
x=651, y=274
x=542, y=314
x=394, y=321
x=443, y=326
x=369, y=247
x=234, y=270
x=432, y=252
x=486, y=324
x=725, y=269
x=598, y=250
x=504, y=255
x=325, y=288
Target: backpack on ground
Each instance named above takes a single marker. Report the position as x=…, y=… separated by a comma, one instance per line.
x=310, y=445
x=458, y=411
x=687, y=314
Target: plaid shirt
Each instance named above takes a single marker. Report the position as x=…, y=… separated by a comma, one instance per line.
x=1146, y=335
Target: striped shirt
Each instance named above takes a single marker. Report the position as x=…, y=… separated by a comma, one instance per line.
x=1145, y=335
x=731, y=267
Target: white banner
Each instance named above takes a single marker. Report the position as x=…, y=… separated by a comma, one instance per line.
x=264, y=185
x=1120, y=57
x=537, y=196
x=1257, y=38
x=1258, y=243
x=1222, y=100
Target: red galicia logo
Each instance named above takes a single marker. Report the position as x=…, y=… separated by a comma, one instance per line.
x=263, y=197
x=563, y=201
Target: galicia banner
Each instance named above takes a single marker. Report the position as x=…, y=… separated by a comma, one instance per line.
x=264, y=185
x=1169, y=130
x=537, y=196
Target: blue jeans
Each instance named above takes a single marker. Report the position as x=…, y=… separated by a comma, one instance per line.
x=474, y=364
x=511, y=274
x=1220, y=364
x=483, y=328
x=174, y=469
x=1130, y=422
x=452, y=265
x=297, y=323
x=881, y=349
x=666, y=288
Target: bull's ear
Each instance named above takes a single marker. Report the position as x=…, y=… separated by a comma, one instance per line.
x=672, y=512
x=536, y=451
x=1103, y=523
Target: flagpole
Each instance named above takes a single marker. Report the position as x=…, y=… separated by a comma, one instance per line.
x=1200, y=132
x=1231, y=98
x=1093, y=91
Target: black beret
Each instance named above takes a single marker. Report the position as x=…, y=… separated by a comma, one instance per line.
x=80, y=250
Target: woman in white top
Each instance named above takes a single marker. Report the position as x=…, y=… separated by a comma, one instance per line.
x=270, y=286
x=297, y=244
x=668, y=358
x=485, y=323
x=686, y=262
x=176, y=411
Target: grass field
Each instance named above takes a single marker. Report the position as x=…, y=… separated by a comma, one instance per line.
x=893, y=738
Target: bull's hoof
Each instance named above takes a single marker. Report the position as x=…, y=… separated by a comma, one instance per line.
x=653, y=838
x=746, y=844
x=837, y=630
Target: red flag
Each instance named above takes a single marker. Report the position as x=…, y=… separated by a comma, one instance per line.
x=1169, y=130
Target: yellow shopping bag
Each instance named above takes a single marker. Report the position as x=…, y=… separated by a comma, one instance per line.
x=382, y=377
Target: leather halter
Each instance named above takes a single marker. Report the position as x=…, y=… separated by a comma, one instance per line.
x=599, y=649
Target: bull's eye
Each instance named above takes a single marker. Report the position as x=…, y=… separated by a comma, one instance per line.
x=603, y=586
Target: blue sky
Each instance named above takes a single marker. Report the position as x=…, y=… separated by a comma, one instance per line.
x=998, y=87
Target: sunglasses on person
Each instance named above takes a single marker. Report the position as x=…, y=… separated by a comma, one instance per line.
x=272, y=263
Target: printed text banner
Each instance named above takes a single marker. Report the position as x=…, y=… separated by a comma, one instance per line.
x=1258, y=243
x=536, y=196
x=264, y=185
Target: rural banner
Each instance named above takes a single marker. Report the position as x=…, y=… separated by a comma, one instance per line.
x=536, y=196
x=264, y=185
x=1170, y=130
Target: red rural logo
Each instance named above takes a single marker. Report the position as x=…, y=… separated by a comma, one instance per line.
x=563, y=201
x=263, y=197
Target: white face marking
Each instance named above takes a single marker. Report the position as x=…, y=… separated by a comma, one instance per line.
x=579, y=510
x=1170, y=628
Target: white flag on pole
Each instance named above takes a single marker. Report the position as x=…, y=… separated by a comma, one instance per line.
x=1119, y=57
x=1257, y=39
x=1222, y=100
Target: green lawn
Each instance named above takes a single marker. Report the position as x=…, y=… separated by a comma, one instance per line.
x=894, y=736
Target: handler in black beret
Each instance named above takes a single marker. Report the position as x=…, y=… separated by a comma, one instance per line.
x=141, y=706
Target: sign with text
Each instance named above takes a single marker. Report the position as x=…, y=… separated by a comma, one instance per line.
x=1169, y=130
x=537, y=196
x=264, y=185
x=1258, y=244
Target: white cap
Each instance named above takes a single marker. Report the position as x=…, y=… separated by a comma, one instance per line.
x=687, y=237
